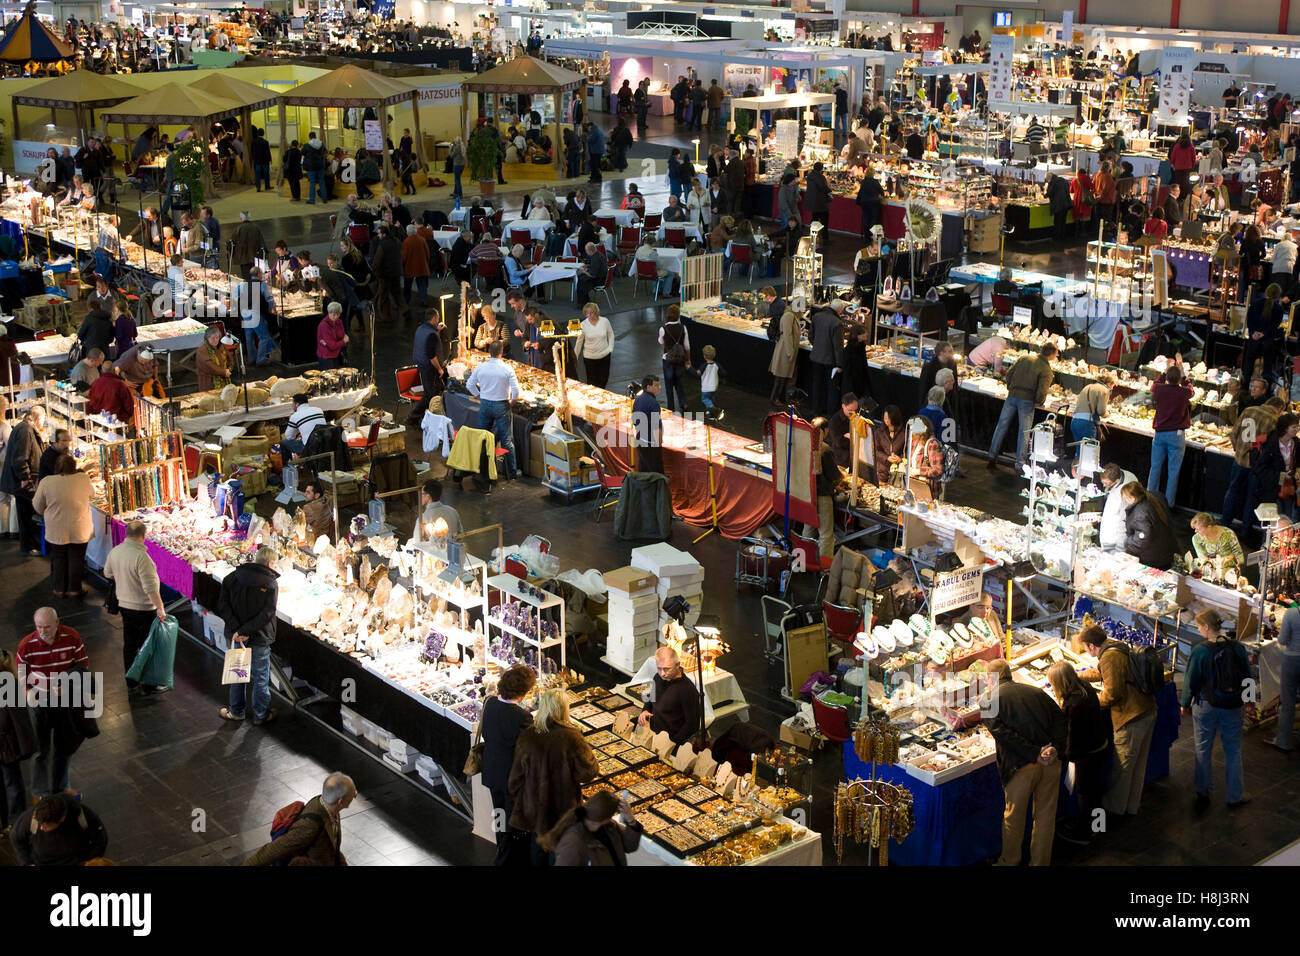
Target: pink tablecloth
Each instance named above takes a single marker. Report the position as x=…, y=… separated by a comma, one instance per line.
x=173, y=571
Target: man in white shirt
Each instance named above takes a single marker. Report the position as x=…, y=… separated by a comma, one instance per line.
x=1113, y=527
x=176, y=280
x=1283, y=264
x=302, y=422
x=496, y=386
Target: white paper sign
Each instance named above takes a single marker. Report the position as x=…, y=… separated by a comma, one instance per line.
x=374, y=137
x=440, y=94
x=955, y=590
x=1175, y=85
x=1000, y=83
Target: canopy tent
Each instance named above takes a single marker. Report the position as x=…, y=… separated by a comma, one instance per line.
x=249, y=96
x=163, y=106
x=350, y=87
x=28, y=40
x=525, y=74
x=81, y=91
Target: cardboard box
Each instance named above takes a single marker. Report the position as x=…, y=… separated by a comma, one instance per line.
x=798, y=736
x=630, y=580
x=272, y=433
x=536, y=455
x=564, y=447
x=251, y=445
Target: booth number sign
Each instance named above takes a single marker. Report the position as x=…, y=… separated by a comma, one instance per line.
x=956, y=589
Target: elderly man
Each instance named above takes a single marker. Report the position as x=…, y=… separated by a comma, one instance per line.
x=137, y=365
x=112, y=395
x=415, y=265
x=676, y=704
x=593, y=272
x=135, y=579
x=50, y=650
x=459, y=256
x=247, y=606
x=516, y=270
x=316, y=834
x=674, y=211
x=21, y=472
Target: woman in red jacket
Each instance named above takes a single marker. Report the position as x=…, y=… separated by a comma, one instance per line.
x=331, y=340
x=1182, y=157
x=1080, y=187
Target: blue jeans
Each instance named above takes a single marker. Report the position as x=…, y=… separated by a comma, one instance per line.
x=259, y=682
x=495, y=417
x=455, y=175
x=15, y=793
x=1226, y=722
x=325, y=364
x=315, y=184
x=294, y=446
x=50, y=766
x=1286, y=705
x=1013, y=407
x=421, y=283
x=1082, y=428
x=104, y=266
x=262, y=176
x=707, y=399
x=258, y=342
x=1167, y=450
x=1237, y=499
x=675, y=383
x=842, y=124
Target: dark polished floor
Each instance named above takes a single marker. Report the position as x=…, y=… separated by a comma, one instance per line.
x=160, y=760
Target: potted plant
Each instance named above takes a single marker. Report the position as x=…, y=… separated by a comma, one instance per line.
x=481, y=154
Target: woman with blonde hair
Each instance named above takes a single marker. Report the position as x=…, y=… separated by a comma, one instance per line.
x=1087, y=747
x=489, y=331
x=1211, y=541
x=552, y=762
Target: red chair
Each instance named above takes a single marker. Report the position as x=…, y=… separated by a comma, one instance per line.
x=408, y=379
x=675, y=237
x=489, y=269
x=479, y=225
x=497, y=218
x=1002, y=304
x=607, y=288
x=647, y=270
x=610, y=487
x=539, y=253
x=606, y=223
x=522, y=237
x=842, y=625
x=741, y=255
x=359, y=235
x=832, y=722
x=367, y=444
x=47, y=334
x=629, y=238
x=652, y=220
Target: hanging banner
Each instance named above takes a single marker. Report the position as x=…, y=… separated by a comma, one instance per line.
x=735, y=77
x=1067, y=27
x=440, y=94
x=1000, y=82
x=1175, y=85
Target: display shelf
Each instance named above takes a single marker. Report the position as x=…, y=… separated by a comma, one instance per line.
x=546, y=611
x=143, y=472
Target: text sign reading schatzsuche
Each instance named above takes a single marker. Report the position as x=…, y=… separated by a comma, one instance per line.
x=956, y=589
x=88, y=910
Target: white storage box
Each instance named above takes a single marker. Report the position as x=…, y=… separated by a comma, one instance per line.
x=663, y=560
x=428, y=770
x=406, y=765
x=214, y=628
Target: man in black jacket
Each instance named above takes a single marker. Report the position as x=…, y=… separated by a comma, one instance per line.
x=1030, y=731
x=58, y=831
x=676, y=707
x=21, y=471
x=261, y=157
x=387, y=267
x=247, y=605
x=503, y=719
x=458, y=260
x=96, y=331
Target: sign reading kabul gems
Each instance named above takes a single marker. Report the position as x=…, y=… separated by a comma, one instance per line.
x=1001, y=53
x=956, y=589
x=1175, y=85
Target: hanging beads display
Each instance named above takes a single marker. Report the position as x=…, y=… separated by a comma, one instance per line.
x=871, y=813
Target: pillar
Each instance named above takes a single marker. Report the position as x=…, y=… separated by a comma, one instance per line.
x=383, y=135
x=558, y=157
x=284, y=148
x=419, y=136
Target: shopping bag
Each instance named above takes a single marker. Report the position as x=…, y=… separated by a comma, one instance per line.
x=238, y=666
x=154, y=665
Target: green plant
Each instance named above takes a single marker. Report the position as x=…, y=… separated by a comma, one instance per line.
x=743, y=120
x=189, y=167
x=481, y=153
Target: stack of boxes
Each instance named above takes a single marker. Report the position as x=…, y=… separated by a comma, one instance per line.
x=678, y=574
x=633, y=612
x=563, y=456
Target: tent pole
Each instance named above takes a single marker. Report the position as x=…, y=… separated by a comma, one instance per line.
x=419, y=136
x=245, y=137
x=557, y=144
x=383, y=135
x=284, y=148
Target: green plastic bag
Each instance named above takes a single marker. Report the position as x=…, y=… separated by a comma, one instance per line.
x=155, y=664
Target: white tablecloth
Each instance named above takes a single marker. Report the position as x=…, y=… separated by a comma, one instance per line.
x=446, y=238
x=171, y=336
x=671, y=260
x=692, y=230
x=623, y=217
x=536, y=229
x=552, y=272
x=459, y=215
x=272, y=410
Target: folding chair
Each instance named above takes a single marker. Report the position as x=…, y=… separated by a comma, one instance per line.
x=409, y=387
x=647, y=270
x=610, y=486
x=741, y=255
x=675, y=237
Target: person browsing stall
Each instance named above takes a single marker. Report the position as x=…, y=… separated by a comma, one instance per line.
x=495, y=384
x=304, y=419
x=432, y=508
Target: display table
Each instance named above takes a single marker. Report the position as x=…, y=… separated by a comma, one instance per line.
x=960, y=822
x=161, y=336
x=463, y=409
x=744, y=353
x=804, y=851
x=273, y=411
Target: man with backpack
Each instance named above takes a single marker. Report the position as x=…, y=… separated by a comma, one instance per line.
x=1130, y=680
x=312, y=833
x=1218, y=671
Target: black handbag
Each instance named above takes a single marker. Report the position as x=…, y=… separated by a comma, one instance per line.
x=110, y=599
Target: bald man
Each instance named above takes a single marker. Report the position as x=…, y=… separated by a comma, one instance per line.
x=676, y=704
x=51, y=649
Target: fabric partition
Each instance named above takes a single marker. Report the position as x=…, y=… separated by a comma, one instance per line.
x=802, y=468
x=173, y=571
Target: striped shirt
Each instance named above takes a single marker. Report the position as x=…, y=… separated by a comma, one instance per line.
x=302, y=422
x=1036, y=135
x=37, y=658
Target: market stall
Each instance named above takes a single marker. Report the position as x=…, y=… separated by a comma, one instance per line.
x=80, y=92
x=250, y=98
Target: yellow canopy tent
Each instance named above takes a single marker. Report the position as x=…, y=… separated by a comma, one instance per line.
x=81, y=91
x=249, y=96
x=525, y=74
x=350, y=87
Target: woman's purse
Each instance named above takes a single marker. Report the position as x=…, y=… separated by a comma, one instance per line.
x=474, y=759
